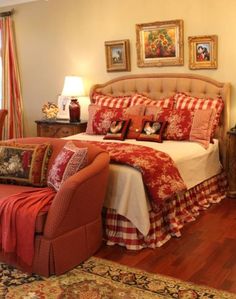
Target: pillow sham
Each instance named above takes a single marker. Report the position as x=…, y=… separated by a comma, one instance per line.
x=139, y=99
x=184, y=101
x=110, y=101
x=24, y=164
x=179, y=123
x=203, y=121
x=100, y=119
x=136, y=124
x=69, y=161
x=152, y=131
x=117, y=130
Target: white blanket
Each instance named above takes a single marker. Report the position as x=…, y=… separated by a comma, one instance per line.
x=126, y=193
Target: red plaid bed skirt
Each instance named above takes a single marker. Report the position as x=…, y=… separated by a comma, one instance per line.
x=168, y=221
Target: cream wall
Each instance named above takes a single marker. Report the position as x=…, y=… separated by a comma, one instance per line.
x=61, y=37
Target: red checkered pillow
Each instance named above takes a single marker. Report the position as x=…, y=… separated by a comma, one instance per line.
x=184, y=101
x=111, y=102
x=179, y=123
x=139, y=99
x=100, y=119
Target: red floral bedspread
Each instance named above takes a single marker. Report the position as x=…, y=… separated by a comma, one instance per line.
x=159, y=172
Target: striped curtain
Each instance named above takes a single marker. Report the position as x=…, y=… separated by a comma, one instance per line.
x=11, y=89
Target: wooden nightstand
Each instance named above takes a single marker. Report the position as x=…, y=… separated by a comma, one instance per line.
x=59, y=128
x=231, y=163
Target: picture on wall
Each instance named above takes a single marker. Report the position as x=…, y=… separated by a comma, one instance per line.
x=117, y=55
x=202, y=52
x=160, y=43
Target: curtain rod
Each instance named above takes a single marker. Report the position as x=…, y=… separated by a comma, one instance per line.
x=6, y=13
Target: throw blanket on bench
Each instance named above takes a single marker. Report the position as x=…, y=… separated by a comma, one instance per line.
x=159, y=173
x=18, y=213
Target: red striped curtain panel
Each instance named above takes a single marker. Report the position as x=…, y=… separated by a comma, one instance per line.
x=11, y=89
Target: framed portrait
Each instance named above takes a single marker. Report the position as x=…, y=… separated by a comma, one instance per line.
x=117, y=55
x=160, y=43
x=202, y=52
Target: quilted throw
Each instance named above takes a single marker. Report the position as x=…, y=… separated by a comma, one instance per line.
x=160, y=175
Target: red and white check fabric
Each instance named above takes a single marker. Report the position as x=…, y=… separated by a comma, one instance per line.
x=166, y=222
x=184, y=101
x=139, y=99
x=111, y=102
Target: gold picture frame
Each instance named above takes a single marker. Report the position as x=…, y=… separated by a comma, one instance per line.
x=160, y=44
x=117, y=55
x=203, y=52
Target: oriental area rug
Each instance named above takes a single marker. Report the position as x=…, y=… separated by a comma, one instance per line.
x=97, y=278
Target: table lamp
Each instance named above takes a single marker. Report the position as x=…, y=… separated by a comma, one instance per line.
x=73, y=88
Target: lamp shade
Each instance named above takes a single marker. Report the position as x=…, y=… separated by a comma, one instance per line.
x=73, y=86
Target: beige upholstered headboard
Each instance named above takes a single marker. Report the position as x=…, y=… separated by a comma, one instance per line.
x=157, y=86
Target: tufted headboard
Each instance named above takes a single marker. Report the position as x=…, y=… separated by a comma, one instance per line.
x=158, y=86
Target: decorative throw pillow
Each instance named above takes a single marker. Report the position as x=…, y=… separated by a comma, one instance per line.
x=118, y=130
x=152, y=131
x=136, y=125
x=202, y=126
x=24, y=164
x=110, y=101
x=179, y=123
x=184, y=101
x=135, y=110
x=69, y=161
x=139, y=99
x=152, y=110
x=100, y=119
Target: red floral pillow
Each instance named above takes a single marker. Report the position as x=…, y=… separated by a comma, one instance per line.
x=139, y=99
x=135, y=126
x=100, y=119
x=179, y=123
x=110, y=101
x=152, y=131
x=118, y=130
x=69, y=161
x=184, y=101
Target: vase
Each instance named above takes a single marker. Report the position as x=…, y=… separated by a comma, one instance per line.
x=74, y=110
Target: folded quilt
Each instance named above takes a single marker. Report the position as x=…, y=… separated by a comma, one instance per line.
x=159, y=172
x=18, y=213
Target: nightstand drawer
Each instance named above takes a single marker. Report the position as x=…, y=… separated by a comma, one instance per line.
x=59, y=129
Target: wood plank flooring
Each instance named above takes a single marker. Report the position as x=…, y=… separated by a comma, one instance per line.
x=204, y=254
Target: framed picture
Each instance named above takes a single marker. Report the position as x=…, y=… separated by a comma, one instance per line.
x=117, y=55
x=202, y=52
x=63, y=103
x=160, y=43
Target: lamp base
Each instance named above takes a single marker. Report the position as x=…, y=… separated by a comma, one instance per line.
x=74, y=110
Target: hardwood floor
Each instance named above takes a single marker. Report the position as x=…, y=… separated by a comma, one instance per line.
x=204, y=254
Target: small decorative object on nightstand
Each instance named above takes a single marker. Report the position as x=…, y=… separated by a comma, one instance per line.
x=59, y=128
x=231, y=162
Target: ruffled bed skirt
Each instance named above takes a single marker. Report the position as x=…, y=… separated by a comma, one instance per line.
x=165, y=222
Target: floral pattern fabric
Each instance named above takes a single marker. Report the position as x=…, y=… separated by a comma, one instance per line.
x=24, y=164
x=179, y=123
x=160, y=175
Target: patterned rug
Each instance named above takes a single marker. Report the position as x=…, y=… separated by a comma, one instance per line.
x=97, y=278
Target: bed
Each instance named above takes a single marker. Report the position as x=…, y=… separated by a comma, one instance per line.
x=130, y=219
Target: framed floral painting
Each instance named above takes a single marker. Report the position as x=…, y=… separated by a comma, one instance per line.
x=117, y=55
x=160, y=43
x=202, y=52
